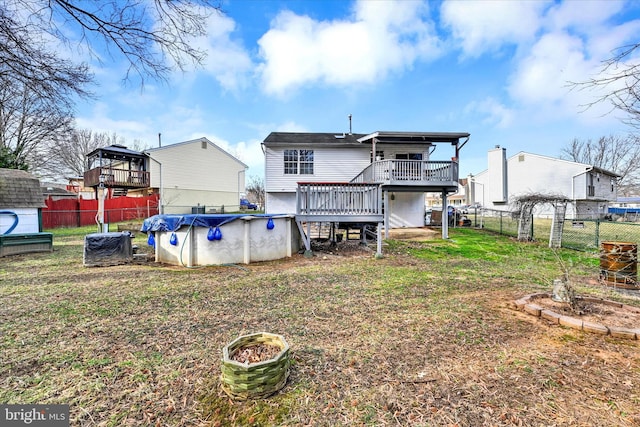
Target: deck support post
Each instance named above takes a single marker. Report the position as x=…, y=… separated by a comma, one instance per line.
x=445, y=216
x=387, y=208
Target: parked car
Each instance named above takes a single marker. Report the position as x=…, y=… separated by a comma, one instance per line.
x=472, y=209
x=246, y=204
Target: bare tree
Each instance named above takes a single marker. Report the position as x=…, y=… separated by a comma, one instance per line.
x=613, y=153
x=29, y=124
x=68, y=154
x=255, y=190
x=620, y=79
x=26, y=61
x=154, y=37
x=38, y=84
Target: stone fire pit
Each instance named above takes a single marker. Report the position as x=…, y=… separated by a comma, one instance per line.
x=539, y=305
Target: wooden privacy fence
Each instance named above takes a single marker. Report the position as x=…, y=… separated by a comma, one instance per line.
x=80, y=212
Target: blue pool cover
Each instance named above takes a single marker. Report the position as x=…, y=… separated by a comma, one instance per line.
x=174, y=222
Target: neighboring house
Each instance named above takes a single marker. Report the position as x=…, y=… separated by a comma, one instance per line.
x=75, y=184
x=56, y=191
x=196, y=176
x=590, y=189
x=627, y=208
x=342, y=178
x=459, y=198
x=626, y=202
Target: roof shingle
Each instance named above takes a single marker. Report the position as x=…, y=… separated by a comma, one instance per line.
x=19, y=189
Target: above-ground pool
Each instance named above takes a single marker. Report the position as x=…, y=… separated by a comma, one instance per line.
x=216, y=239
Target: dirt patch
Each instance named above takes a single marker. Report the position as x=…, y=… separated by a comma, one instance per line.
x=415, y=234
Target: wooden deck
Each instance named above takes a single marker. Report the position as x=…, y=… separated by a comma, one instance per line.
x=338, y=202
x=411, y=175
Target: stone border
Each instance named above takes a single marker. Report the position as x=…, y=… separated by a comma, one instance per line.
x=527, y=304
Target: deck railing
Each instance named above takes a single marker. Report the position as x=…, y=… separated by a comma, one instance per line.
x=123, y=178
x=324, y=198
x=409, y=172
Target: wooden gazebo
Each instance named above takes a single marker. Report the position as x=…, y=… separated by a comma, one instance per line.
x=116, y=166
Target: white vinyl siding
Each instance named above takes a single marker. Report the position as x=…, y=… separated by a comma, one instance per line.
x=340, y=164
x=531, y=173
x=329, y=165
x=189, y=166
x=192, y=175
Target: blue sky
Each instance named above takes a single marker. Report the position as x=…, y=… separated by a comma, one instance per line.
x=496, y=69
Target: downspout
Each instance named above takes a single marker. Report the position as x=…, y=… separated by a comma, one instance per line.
x=373, y=149
x=458, y=147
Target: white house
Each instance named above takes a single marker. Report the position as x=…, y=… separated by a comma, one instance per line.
x=459, y=198
x=196, y=174
x=589, y=188
x=339, y=178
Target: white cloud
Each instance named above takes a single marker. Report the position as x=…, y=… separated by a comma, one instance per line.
x=99, y=121
x=581, y=15
x=543, y=75
x=227, y=60
x=603, y=44
x=486, y=26
x=572, y=53
x=495, y=113
x=380, y=38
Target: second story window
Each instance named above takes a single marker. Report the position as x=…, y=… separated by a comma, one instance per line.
x=298, y=162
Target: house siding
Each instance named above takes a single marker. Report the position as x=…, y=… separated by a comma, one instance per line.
x=329, y=164
x=193, y=175
x=338, y=164
x=407, y=210
x=529, y=173
x=534, y=174
x=332, y=164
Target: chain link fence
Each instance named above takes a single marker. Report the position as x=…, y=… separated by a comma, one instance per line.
x=501, y=222
x=587, y=235
x=580, y=234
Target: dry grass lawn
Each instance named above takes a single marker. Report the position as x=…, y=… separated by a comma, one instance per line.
x=422, y=337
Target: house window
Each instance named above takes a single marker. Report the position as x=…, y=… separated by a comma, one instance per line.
x=521, y=158
x=591, y=188
x=298, y=162
x=409, y=156
x=203, y=145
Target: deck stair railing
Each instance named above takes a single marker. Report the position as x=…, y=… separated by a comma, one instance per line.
x=325, y=199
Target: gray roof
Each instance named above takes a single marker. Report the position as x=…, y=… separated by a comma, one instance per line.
x=115, y=151
x=312, y=138
x=419, y=137
x=359, y=138
x=19, y=189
